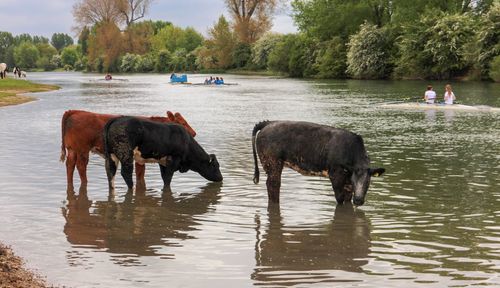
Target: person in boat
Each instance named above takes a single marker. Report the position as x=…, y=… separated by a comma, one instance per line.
x=221, y=80
x=217, y=81
x=206, y=81
x=430, y=95
x=108, y=77
x=449, y=96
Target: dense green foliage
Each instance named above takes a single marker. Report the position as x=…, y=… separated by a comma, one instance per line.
x=363, y=39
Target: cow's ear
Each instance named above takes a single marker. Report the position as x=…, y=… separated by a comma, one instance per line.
x=375, y=172
x=213, y=159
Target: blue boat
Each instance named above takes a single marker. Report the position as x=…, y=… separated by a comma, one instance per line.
x=178, y=79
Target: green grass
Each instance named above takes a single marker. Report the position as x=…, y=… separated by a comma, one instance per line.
x=10, y=88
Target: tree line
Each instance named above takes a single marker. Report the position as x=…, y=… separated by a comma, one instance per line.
x=360, y=39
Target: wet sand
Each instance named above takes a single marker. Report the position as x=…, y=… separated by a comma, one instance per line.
x=14, y=274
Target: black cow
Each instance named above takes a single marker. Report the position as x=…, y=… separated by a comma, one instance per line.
x=313, y=149
x=128, y=138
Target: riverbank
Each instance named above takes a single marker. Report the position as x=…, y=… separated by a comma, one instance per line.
x=14, y=274
x=12, y=90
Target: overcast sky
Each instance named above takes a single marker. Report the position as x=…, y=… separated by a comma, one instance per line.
x=45, y=17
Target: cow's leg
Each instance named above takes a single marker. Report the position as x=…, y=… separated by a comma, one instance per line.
x=70, y=169
x=82, y=161
x=139, y=175
x=167, y=172
x=110, y=172
x=273, y=168
x=340, y=181
x=127, y=171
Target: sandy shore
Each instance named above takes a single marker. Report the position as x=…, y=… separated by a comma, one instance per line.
x=13, y=274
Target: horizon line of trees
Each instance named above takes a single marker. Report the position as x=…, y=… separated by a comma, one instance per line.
x=359, y=39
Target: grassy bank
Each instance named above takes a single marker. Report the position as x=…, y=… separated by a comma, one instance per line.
x=11, y=91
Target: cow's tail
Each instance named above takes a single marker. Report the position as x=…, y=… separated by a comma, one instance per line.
x=259, y=126
x=64, y=120
x=107, y=153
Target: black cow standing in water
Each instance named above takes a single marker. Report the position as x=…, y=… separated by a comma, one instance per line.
x=128, y=138
x=313, y=149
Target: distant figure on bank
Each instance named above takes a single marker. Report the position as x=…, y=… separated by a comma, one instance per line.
x=449, y=97
x=430, y=95
x=108, y=77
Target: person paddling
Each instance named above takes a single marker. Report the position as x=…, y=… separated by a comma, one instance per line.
x=430, y=95
x=449, y=96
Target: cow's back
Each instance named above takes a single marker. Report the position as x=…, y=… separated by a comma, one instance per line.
x=83, y=130
x=310, y=146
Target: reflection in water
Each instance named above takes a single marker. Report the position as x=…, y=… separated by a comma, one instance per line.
x=296, y=255
x=137, y=225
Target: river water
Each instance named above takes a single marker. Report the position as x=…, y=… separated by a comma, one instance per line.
x=432, y=220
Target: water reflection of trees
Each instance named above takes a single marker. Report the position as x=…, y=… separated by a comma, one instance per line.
x=291, y=255
x=139, y=225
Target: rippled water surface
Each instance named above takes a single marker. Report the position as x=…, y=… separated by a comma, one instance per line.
x=431, y=221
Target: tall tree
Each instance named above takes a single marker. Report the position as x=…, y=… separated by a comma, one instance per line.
x=133, y=10
x=222, y=43
x=105, y=46
x=252, y=18
x=61, y=40
x=6, y=40
x=91, y=12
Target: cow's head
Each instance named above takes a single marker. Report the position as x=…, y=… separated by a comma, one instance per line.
x=177, y=118
x=209, y=169
x=361, y=181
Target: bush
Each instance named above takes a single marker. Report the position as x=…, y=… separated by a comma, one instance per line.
x=129, y=63
x=163, y=61
x=495, y=69
x=263, y=47
x=368, y=55
x=69, y=56
x=331, y=61
x=145, y=63
x=242, y=54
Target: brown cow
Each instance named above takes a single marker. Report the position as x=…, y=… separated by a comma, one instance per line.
x=82, y=132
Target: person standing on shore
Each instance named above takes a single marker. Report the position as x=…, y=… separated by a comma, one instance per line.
x=430, y=95
x=449, y=96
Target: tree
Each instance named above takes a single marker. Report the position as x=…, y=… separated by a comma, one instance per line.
x=69, y=56
x=262, y=48
x=252, y=18
x=129, y=62
x=83, y=39
x=138, y=37
x=447, y=43
x=172, y=38
x=331, y=61
x=369, y=53
x=487, y=43
x=325, y=19
x=495, y=69
x=242, y=54
x=222, y=43
x=133, y=10
x=61, y=40
x=26, y=55
x=6, y=40
x=163, y=61
x=92, y=12
x=105, y=47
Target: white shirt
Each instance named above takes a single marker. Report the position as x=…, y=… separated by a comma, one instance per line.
x=448, y=99
x=430, y=95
